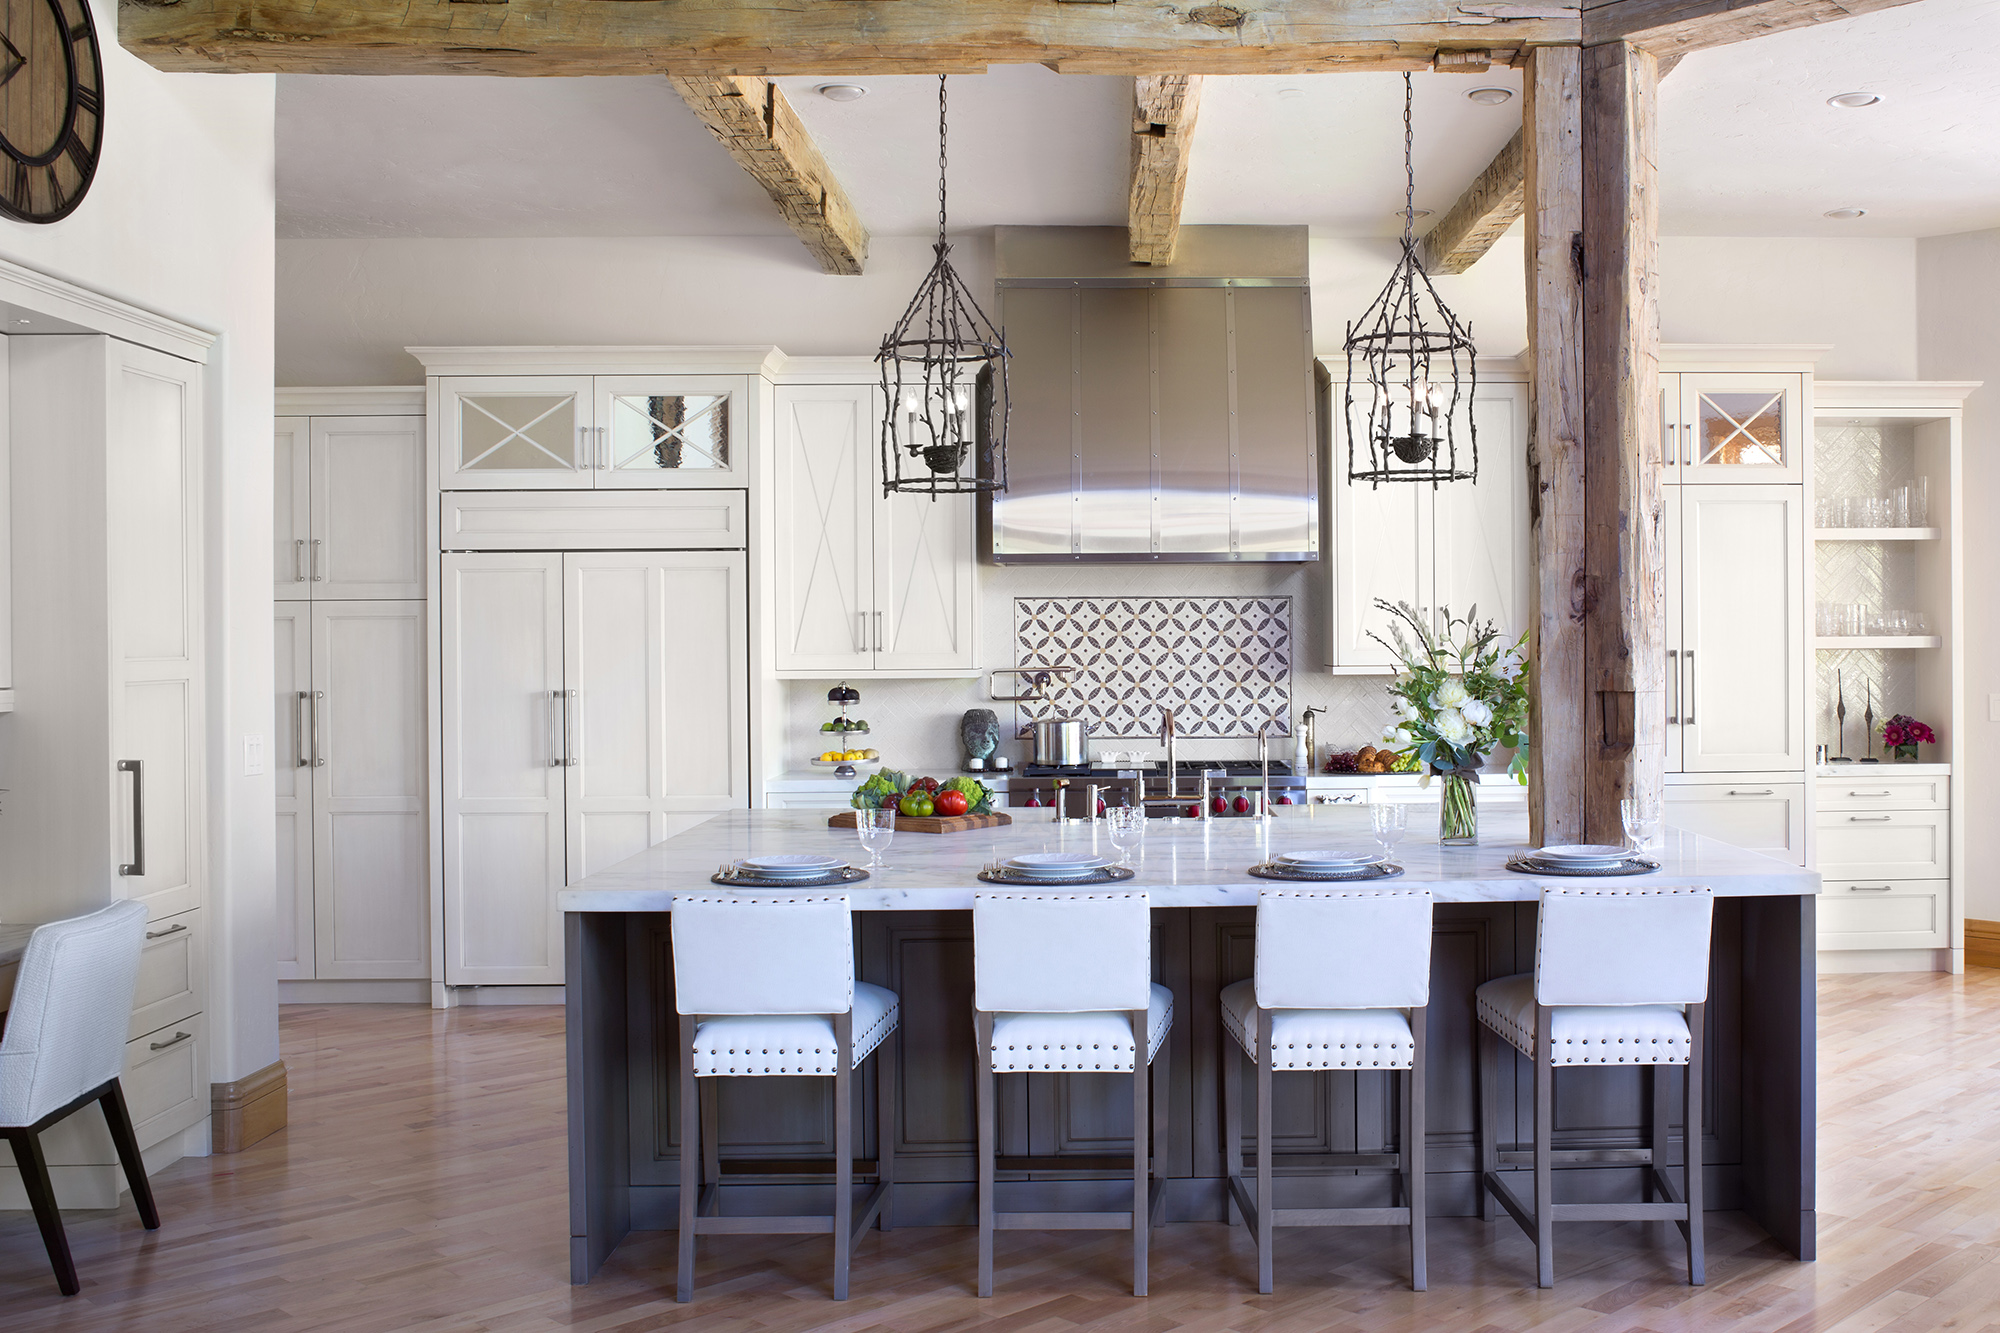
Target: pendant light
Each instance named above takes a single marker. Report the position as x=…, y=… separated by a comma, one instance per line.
x=944, y=381
x=1410, y=371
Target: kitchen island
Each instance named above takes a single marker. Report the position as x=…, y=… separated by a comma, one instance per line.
x=913, y=935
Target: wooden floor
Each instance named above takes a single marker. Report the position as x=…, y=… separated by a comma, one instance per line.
x=421, y=1186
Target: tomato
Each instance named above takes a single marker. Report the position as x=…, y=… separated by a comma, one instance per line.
x=891, y=800
x=916, y=804
x=952, y=803
x=928, y=785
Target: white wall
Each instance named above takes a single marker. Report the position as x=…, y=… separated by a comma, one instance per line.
x=1859, y=295
x=1958, y=300
x=181, y=220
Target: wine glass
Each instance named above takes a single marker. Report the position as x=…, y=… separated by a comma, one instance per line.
x=1127, y=826
x=1391, y=820
x=877, y=828
x=1645, y=828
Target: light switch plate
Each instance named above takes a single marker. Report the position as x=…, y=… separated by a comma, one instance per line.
x=253, y=756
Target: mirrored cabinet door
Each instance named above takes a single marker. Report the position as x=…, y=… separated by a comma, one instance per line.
x=516, y=432
x=1738, y=427
x=670, y=431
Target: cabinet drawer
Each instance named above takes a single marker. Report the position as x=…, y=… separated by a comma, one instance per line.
x=1884, y=914
x=1761, y=817
x=1871, y=789
x=704, y=520
x=1892, y=845
x=172, y=969
x=166, y=1079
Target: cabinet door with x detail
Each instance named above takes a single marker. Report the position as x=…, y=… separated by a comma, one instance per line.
x=1737, y=427
x=516, y=433
x=662, y=432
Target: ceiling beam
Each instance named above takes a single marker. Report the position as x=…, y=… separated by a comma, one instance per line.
x=751, y=118
x=1675, y=27
x=1164, y=108
x=1488, y=207
x=716, y=37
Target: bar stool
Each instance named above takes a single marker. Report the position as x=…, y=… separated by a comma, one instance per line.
x=765, y=988
x=1343, y=978
x=1621, y=978
x=1062, y=982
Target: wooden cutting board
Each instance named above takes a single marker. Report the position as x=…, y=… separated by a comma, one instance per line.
x=931, y=823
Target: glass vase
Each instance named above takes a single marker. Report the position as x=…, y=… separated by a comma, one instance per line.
x=1905, y=754
x=1458, y=813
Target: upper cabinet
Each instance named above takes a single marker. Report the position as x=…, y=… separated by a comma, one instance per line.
x=1733, y=426
x=585, y=432
x=866, y=583
x=349, y=519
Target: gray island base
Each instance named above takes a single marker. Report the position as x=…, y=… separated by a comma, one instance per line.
x=913, y=934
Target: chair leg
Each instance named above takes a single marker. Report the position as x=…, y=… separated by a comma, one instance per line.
x=1266, y=1204
x=843, y=1152
x=1232, y=1123
x=983, y=1104
x=1656, y=1085
x=1489, y=1114
x=690, y=1162
x=42, y=1198
x=1545, y=1089
x=120, y=1120
x=1162, y=1078
x=711, y=1135
x=1141, y=1170
x=1415, y=1127
x=885, y=1127
x=1697, y=1015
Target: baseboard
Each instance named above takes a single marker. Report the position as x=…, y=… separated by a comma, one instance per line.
x=1982, y=943
x=354, y=992
x=506, y=994
x=250, y=1109
x=1884, y=960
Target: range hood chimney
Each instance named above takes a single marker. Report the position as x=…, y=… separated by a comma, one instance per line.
x=1159, y=413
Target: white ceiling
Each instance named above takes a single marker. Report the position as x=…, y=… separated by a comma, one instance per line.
x=1748, y=146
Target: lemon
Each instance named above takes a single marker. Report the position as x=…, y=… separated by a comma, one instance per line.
x=830, y=757
x=853, y=754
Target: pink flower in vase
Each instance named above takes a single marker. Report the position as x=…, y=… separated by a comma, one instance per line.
x=1902, y=729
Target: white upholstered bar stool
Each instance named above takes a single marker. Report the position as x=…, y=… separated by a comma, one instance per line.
x=1343, y=981
x=1062, y=983
x=1621, y=978
x=765, y=988
x=65, y=1048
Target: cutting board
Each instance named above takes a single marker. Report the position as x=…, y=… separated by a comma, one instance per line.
x=931, y=823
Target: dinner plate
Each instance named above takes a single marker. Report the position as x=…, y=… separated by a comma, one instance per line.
x=802, y=864
x=1324, y=859
x=1058, y=865
x=1598, y=854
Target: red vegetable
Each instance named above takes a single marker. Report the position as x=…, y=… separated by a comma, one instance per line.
x=928, y=784
x=891, y=799
x=952, y=803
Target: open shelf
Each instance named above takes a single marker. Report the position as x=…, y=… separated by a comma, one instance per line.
x=1848, y=641
x=1876, y=534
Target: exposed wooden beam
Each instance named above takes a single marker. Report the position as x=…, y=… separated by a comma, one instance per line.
x=1164, y=109
x=596, y=37
x=1552, y=159
x=1675, y=27
x=1489, y=206
x=1624, y=557
x=751, y=118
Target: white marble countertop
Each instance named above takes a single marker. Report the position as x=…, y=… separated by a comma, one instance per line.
x=1186, y=863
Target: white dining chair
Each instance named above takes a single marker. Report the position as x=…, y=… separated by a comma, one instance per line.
x=1062, y=983
x=764, y=985
x=64, y=1048
x=1620, y=979
x=1342, y=981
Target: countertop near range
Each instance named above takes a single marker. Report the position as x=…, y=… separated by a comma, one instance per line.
x=1187, y=863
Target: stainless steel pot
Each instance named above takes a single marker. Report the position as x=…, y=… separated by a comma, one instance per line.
x=1060, y=740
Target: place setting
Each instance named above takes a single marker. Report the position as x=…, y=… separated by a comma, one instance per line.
x=1389, y=820
x=1057, y=868
x=1645, y=836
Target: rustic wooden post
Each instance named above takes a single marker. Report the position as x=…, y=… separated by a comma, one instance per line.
x=1552, y=142
x=1624, y=594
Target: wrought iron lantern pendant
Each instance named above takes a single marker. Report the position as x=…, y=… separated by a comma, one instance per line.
x=1411, y=371
x=944, y=381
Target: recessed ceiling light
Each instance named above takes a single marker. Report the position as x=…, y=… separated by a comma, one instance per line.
x=1854, y=101
x=1490, y=96
x=1291, y=94
x=841, y=92
x=1846, y=214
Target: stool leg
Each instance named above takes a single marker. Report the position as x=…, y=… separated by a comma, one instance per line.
x=711, y=1138
x=1656, y=1084
x=1489, y=1115
x=1141, y=1172
x=1266, y=1233
x=843, y=1152
x=42, y=1198
x=1415, y=1127
x=690, y=1162
x=1697, y=1015
x=1162, y=1077
x=885, y=1127
x=1545, y=1098
x=1232, y=1123
x=983, y=1103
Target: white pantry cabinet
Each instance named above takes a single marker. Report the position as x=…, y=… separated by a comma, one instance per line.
x=866, y=584
x=349, y=515
x=594, y=703
x=1733, y=427
x=591, y=432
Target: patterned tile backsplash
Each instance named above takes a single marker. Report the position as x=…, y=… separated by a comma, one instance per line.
x=1223, y=664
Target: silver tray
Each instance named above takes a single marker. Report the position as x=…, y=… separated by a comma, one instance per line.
x=736, y=879
x=1530, y=865
x=1002, y=875
x=1272, y=870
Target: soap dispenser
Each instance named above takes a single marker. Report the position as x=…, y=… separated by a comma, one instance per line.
x=1302, y=753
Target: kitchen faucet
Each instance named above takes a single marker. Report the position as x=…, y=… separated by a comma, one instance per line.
x=1264, y=768
x=1174, y=796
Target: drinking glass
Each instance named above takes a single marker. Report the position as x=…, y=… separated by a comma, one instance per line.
x=877, y=828
x=1645, y=829
x=1390, y=820
x=1127, y=826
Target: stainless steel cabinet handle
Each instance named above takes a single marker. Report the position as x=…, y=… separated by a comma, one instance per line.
x=1763, y=791
x=1868, y=793
x=299, y=730
x=1869, y=888
x=584, y=452
x=317, y=576
x=137, y=768
x=174, y=1040
x=604, y=446
x=1674, y=675
x=878, y=631
x=174, y=929
x=569, y=729
x=298, y=559
x=555, y=729
x=1869, y=819
x=319, y=754
x=1687, y=712
x=861, y=623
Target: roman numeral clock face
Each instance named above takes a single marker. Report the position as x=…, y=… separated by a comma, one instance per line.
x=51, y=107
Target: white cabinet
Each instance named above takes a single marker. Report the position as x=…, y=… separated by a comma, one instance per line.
x=349, y=518
x=349, y=728
x=1884, y=846
x=866, y=583
x=1736, y=647
x=1733, y=427
x=595, y=703
x=584, y=432
x=1460, y=545
x=1767, y=817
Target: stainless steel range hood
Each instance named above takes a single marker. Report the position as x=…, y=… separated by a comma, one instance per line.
x=1160, y=413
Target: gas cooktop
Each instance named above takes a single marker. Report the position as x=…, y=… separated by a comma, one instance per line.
x=1235, y=768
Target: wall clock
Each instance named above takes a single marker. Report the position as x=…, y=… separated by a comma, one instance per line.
x=51, y=107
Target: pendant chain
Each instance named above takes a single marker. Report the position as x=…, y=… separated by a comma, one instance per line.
x=1409, y=166
x=941, y=159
